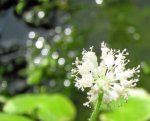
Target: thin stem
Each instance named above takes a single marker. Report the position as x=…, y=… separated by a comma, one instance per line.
x=96, y=110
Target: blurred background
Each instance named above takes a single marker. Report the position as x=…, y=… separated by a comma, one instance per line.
x=39, y=40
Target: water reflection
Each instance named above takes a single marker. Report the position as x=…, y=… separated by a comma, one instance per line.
x=55, y=55
x=41, y=14
x=136, y=36
x=61, y=61
x=58, y=29
x=131, y=29
x=39, y=43
x=67, y=31
x=52, y=83
x=37, y=60
x=45, y=51
x=99, y=1
x=66, y=83
x=31, y=35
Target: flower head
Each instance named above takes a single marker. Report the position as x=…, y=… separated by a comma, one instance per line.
x=109, y=77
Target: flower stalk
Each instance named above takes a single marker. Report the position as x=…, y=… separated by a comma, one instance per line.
x=96, y=110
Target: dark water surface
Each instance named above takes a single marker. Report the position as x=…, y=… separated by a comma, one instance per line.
x=14, y=30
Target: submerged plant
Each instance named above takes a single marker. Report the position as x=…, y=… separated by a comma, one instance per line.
x=106, y=81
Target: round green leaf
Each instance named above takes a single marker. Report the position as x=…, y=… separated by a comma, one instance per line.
x=57, y=108
x=8, y=117
x=137, y=108
x=45, y=107
x=21, y=104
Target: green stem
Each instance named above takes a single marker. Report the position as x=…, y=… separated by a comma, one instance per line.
x=96, y=110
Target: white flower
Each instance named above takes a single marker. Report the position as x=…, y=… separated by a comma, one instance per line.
x=109, y=77
x=85, y=81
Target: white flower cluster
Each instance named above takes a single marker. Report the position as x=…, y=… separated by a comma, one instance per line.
x=109, y=77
